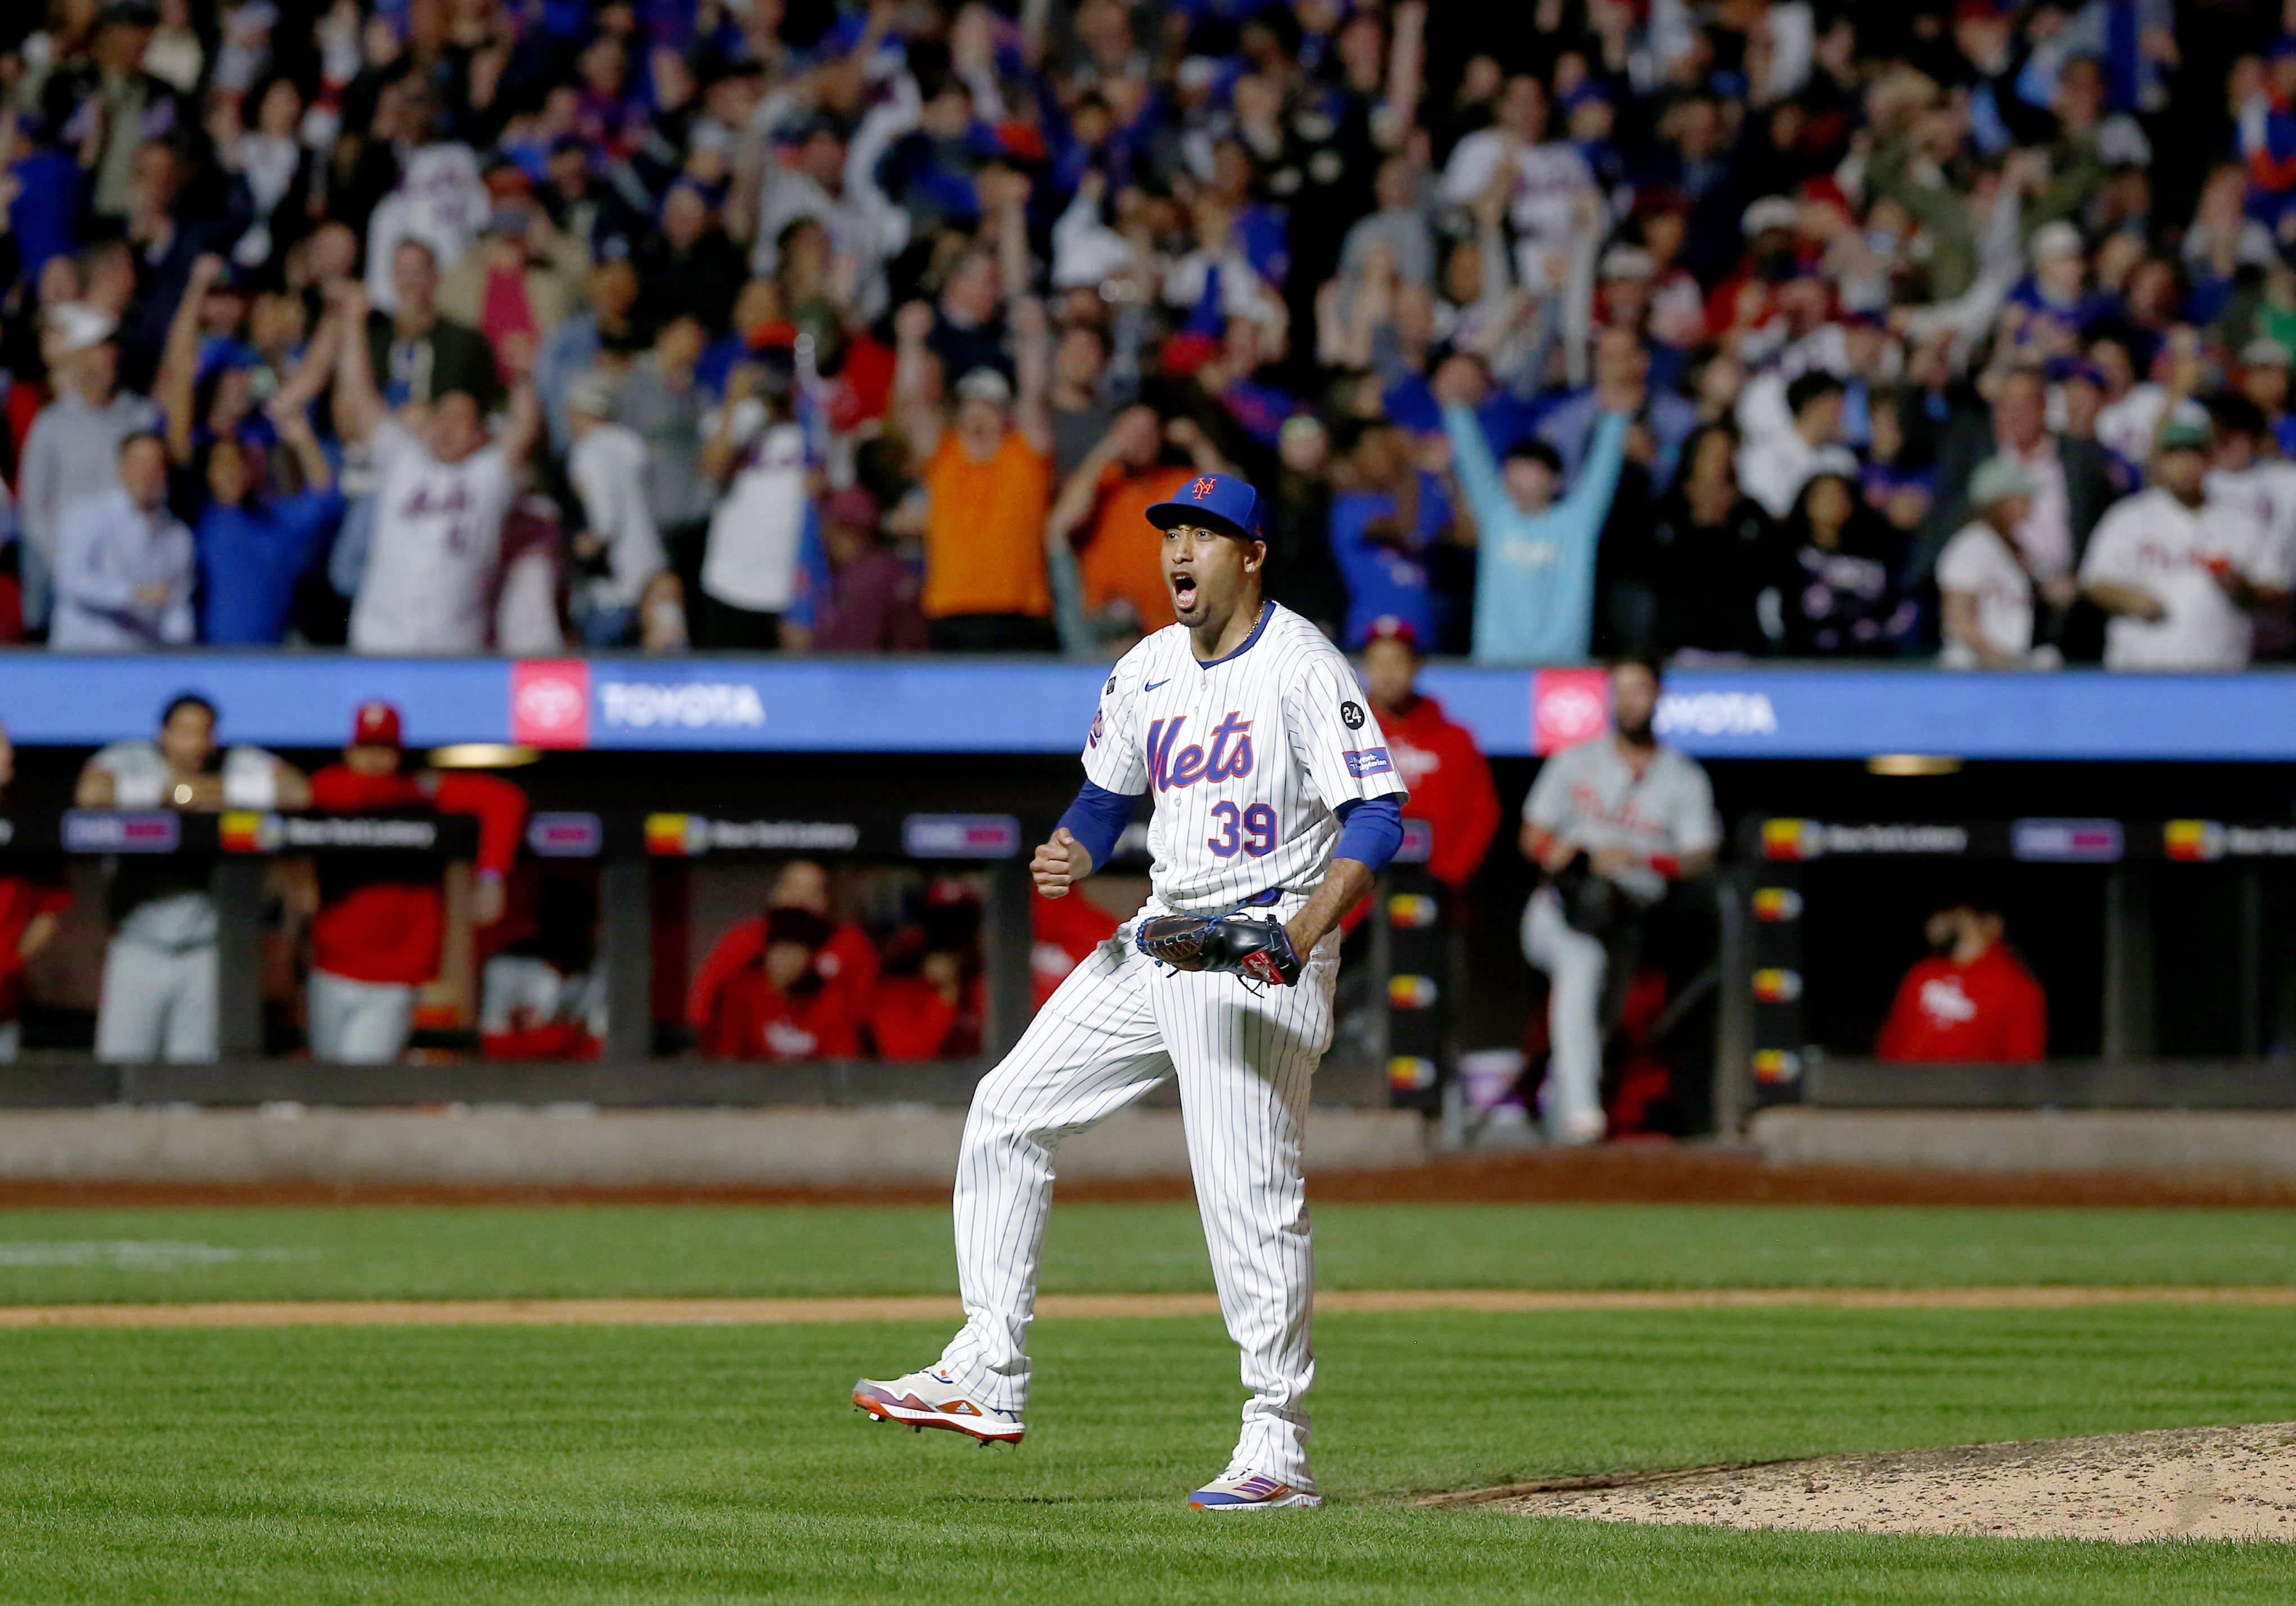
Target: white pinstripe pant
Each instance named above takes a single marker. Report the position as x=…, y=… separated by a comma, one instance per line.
x=1120, y=1025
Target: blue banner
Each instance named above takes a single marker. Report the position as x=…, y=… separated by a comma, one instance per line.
x=272, y=699
x=821, y=705
x=991, y=705
x=2083, y=714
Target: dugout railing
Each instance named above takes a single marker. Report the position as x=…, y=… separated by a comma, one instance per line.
x=1410, y=977
x=1765, y=1054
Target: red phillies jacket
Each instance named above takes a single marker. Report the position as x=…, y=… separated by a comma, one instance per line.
x=23, y=901
x=554, y=1039
x=911, y=1018
x=737, y=1013
x=1989, y=1011
x=1065, y=931
x=755, y=1020
x=1450, y=783
x=382, y=919
x=1451, y=789
x=847, y=965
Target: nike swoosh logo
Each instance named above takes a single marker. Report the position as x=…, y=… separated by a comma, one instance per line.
x=1152, y=685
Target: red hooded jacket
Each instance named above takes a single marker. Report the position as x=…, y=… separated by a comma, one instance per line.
x=847, y=963
x=913, y=1020
x=737, y=1013
x=1450, y=783
x=1066, y=932
x=383, y=921
x=23, y=901
x=1989, y=1011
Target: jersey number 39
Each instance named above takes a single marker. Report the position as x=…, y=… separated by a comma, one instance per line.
x=1252, y=829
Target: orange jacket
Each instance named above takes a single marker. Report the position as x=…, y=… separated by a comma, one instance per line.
x=1123, y=553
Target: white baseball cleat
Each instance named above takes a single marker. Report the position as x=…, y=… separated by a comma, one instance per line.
x=932, y=1399
x=1241, y=1489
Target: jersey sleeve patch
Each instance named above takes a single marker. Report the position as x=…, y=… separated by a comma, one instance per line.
x=1368, y=760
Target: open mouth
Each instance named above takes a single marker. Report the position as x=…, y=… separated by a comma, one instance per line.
x=1183, y=591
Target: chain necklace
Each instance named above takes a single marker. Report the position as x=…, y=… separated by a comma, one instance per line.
x=1256, y=621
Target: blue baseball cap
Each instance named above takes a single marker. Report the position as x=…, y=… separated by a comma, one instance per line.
x=1219, y=502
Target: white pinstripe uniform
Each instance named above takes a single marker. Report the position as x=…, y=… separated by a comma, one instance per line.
x=1247, y=756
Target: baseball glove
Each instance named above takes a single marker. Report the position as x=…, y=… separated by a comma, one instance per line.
x=1259, y=950
x=1592, y=903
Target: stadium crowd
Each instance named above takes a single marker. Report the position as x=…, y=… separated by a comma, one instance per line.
x=1746, y=327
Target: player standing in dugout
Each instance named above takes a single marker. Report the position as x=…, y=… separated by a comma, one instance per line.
x=1275, y=802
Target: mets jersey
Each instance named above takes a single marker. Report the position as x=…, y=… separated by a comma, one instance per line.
x=438, y=534
x=1247, y=758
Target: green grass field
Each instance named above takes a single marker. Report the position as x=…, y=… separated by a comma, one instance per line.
x=685, y=1464
x=376, y=1253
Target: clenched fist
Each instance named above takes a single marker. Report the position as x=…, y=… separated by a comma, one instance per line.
x=1059, y=864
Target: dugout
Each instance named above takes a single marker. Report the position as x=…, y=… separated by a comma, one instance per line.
x=622, y=738
x=647, y=869
x=2167, y=949
x=639, y=863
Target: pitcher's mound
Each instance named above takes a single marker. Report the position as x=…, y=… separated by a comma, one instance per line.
x=2200, y=1483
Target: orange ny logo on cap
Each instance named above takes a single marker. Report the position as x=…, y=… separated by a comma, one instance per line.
x=1203, y=488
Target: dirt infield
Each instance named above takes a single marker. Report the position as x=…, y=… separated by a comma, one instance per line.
x=721, y=1312
x=2198, y=1483
x=1651, y=1173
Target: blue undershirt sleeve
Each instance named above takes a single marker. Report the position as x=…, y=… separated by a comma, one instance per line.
x=1371, y=828
x=1097, y=820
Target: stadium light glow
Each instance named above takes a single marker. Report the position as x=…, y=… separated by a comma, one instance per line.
x=483, y=755
x=1911, y=763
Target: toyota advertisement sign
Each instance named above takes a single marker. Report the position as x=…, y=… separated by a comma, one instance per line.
x=1016, y=705
x=550, y=703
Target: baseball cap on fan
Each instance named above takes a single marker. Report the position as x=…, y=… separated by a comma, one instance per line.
x=375, y=725
x=78, y=327
x=1769, y=213
x=2188, y=430
x=1998, y=479
x=2053, y=239
x=1220, y=502
x=1387, y=627
x=985, y=384
x=591, y=397
x=1628, y=262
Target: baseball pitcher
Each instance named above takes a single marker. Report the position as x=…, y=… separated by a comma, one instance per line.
x=1276, y=801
